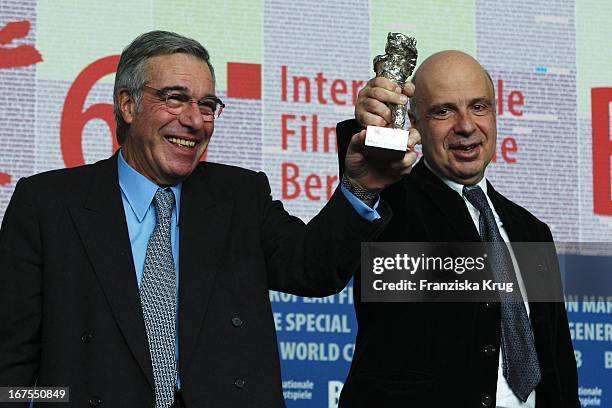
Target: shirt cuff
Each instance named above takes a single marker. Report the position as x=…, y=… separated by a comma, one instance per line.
x=363, y=210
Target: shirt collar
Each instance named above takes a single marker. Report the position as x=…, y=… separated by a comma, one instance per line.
x=456, y=186
x=139, y=190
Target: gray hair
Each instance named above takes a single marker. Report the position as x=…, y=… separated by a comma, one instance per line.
x=132, y=68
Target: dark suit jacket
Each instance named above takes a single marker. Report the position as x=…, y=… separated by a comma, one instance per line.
x=69, y=301
x=446, y=354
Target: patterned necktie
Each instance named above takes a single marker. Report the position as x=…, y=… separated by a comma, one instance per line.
x=158, y=299
x=520, y=360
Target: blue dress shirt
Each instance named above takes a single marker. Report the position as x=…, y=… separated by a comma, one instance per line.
x=137, y=193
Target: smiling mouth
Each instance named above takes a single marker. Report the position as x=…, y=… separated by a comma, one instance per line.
x=182, y=142
x=468, y=148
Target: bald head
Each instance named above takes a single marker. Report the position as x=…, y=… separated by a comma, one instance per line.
x=438, y=66
x=455, y=115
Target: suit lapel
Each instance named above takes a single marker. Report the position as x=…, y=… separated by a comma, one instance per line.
x=449, y=203
x=102, y=227
x=513, y=223
x=204, y=221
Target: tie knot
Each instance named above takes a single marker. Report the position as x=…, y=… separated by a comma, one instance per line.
x=476, y=197
x=164, y=201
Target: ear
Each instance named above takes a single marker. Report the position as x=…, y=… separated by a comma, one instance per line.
x=126, y=105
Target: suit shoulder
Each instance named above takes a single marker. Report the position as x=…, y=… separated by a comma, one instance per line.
x=515, y=207
x=72, y=179
x=226, y=170
x=520, y=211
x=246, y=188
x=231, y=179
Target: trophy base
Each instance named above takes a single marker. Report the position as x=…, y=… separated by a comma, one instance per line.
x=385, y=143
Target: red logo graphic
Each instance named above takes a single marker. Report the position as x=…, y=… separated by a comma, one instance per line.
x=4, y=179
x=243, y=80
x=22, y=55
x=602, y=150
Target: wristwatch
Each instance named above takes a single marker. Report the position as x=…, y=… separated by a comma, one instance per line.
x=361, y=193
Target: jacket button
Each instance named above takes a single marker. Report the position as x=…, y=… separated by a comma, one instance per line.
x=236, y=321
x=239, y=383
x=486, y=400
x=86, y=337
x=489, y=350
x=94, y=402
x=541, y=268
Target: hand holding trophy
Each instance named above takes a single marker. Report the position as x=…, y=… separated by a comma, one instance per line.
x=396, y=64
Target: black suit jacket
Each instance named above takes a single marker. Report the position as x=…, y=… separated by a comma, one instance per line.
x=69, y=301
x=446, y=354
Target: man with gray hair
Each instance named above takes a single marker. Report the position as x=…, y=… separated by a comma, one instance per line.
x=142, y=280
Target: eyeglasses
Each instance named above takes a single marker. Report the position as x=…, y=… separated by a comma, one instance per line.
x=176, y=102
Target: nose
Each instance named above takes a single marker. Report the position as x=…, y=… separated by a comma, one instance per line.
x=464, y=124
x=191, y=116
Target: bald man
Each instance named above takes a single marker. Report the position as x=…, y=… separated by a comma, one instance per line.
x=449, y=354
